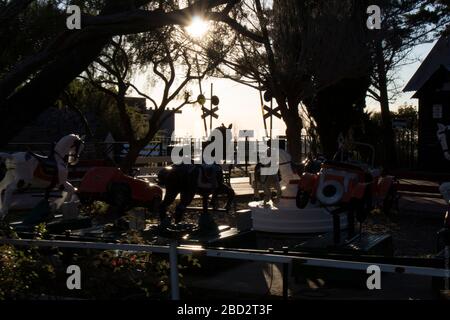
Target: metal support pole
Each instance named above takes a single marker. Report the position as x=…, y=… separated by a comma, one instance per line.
x=336, y=228
x=247, y=154
x=447, y=268
x=350, y=223
x=174, y=277
x=285, y=277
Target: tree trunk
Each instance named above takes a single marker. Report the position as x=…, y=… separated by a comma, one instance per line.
x=129, y=161
x=294, y=128
x=135, y=148
x=390, y=154
x=336, y=109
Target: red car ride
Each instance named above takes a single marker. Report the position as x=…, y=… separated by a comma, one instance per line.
x=111, y=185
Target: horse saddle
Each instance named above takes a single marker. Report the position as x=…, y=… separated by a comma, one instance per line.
x=207, y=177
x=47, y=166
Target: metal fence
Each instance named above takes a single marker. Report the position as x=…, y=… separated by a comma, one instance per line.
x=173, y=250
x=406, y=142
x=157, y=147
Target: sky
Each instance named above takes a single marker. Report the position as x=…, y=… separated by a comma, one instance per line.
x=240, y=105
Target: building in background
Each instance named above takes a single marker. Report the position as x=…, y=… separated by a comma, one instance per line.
x=431, y=82
x=140, y=105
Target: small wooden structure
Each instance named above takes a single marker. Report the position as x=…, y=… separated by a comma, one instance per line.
x=432, y=85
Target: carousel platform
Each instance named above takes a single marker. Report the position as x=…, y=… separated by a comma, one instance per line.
x=279, y=219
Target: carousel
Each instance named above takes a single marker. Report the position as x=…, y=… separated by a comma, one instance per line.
x=319, y=202
x=283, y=215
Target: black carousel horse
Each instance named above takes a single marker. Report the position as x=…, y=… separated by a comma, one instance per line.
x=188, y=180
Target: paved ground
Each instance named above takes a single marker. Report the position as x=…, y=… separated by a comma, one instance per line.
x=414, y=231
x=265, y=280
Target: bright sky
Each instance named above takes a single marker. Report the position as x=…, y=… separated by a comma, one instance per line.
x=240, y=105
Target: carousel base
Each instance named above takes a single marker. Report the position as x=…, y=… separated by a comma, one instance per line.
x=273, y=219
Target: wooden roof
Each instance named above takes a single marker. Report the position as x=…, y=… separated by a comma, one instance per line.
x=438, y=56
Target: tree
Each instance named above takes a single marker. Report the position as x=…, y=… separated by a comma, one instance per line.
x=310, y=51
x=405, y=25
x=165, y=56
x=85, y=99
x=36, y=82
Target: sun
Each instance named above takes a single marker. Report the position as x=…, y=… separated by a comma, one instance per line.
x=198, y=27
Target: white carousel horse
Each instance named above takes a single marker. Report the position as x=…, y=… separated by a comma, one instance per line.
x=266, y=183
x=26, y=169
x=289, y=180
x=442, y=133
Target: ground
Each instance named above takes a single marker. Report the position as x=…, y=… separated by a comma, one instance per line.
x=413, y=232
x=413, y=229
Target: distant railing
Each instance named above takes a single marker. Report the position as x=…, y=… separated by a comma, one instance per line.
x=406, y=142
x=151, y=158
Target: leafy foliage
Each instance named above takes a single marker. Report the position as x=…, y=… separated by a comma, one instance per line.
x=30, y=32
x=24, y=273
x=27, y=273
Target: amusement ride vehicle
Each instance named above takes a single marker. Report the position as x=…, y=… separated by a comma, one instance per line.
x=314, y=202
x=111, y=185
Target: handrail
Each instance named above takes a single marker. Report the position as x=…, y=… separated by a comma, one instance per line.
x=173, y=250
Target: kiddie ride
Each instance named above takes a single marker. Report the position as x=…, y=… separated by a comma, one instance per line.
x=106, y=184
x=328, y=200
x=111, y=185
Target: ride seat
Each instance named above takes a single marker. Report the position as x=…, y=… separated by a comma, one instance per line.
x=47, y=164
x=368, y=177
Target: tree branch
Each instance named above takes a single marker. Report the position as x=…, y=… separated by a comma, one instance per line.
x=72, y=105
x=233, y=24
x=143, y=95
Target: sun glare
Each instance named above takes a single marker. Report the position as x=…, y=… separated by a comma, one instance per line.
x=198, y=27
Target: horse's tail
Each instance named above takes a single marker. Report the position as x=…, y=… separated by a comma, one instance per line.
x=162, y=176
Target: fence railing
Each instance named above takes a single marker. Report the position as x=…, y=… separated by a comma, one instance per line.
x=406, y=146
x=173, y=250
x=406, y=142
x=155, y=148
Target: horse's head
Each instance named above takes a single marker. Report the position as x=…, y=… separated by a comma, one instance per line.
x=443, y=133
x=220, y=137
x=69, y=148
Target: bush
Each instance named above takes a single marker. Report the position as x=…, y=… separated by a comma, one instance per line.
x=23, y=271
x=29, y=273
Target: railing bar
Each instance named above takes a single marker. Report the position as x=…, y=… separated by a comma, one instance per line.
x=222, y=253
